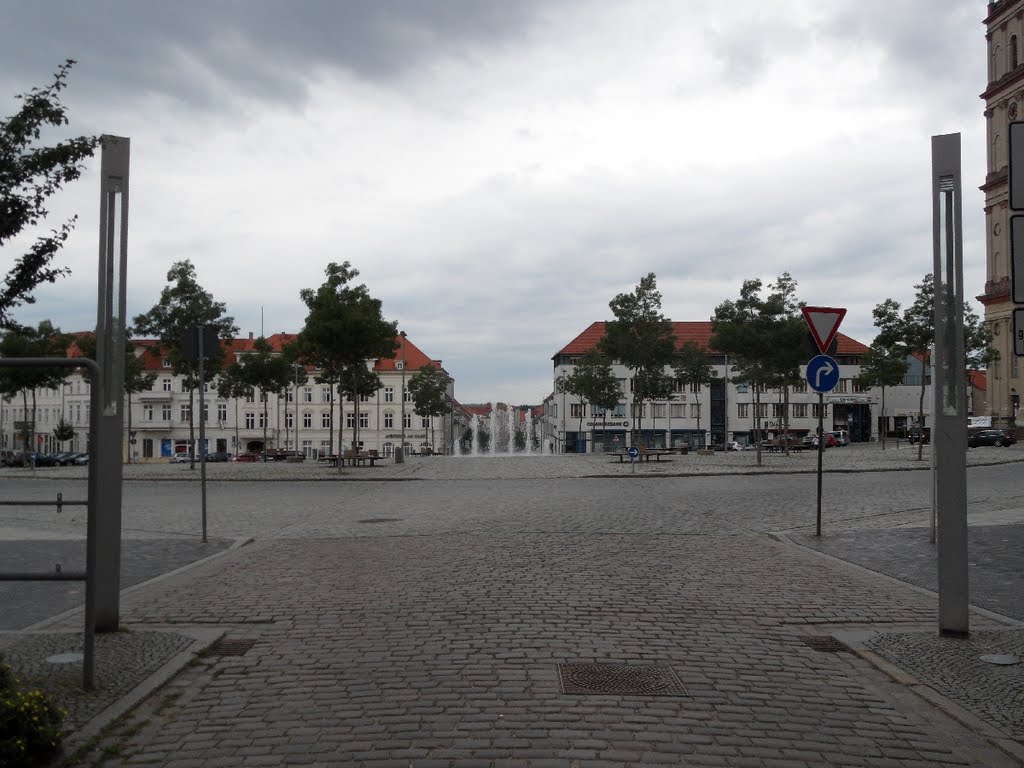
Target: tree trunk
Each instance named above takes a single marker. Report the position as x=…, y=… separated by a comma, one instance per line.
x=696, y=396
x=785, y=417
x=129, y=415
x=24, y=428
x=885, y=423
x=757, y=420
x=191, y=427
x=264, y=398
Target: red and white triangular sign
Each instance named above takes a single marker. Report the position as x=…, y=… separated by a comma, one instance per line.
x=824, y=324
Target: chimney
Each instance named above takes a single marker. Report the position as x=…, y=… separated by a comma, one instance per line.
x=250, y=335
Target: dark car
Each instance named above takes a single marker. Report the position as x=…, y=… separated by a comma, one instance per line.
x=218, y=456
x=996, y=437
x=246, y=457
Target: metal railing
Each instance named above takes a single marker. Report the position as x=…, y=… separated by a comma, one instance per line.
x=89, y=646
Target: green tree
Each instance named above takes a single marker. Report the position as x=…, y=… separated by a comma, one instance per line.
x=787, y=332
x=882, y=367
x=640, y=337
x=594, y=383
x=63, y=430
x=262, y=370
x=357, y=382
x=656, y=385
x=693, y=370
x=428, y=388
x=136, y=377
x=746, y=329
x=183, y=305
x=912, y=332
x=30, y=173
x=23, y=341
x=344, y=327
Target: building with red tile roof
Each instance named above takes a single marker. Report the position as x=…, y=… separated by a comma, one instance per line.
x=715, y=415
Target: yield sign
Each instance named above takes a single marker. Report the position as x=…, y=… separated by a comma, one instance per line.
x=824, y=324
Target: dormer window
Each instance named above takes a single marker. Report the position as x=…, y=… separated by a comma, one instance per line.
x=165, y=363
x=399, y=365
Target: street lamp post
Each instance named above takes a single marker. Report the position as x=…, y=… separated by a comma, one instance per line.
x=295, y=397
x=400, y=453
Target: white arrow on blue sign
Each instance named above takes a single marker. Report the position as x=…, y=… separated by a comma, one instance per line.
x=633, y=451
x=822, y=373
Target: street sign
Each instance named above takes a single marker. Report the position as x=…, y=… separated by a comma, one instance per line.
x=1017, y=259
x=633, y=451
x=822, y=373
x=824, y=324
x=811, y=347
x=1017, y=165
x=190, y=342
x=1018, y=332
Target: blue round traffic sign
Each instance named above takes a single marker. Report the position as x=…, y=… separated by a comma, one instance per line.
x=633, y=451
x=822, y=373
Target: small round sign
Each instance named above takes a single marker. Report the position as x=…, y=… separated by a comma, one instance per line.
x=634, y=451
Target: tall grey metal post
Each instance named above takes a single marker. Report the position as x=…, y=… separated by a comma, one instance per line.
x=202, y=423
x=400, y=453
x=108, y=398
x=949, y=431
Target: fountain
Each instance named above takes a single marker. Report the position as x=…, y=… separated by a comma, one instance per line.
x=501, y=433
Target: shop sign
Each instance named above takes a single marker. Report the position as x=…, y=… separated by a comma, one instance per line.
x=607, y=423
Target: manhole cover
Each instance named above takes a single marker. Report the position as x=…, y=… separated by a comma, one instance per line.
x=65, y=658
x=824, y=643
x=381, y=520
x=1003, y=659
x=619, y=679
x=231, y=646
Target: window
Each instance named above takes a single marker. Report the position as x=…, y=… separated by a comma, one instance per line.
x=596, y=411
x=677, y=410
x=307, y=420
x=147, y=413
x=799, y=410
x=289, y=420
x=659, y=410
x=250, y=420
x=743, y=410
x=325, y=419
x=350, y=419
x=577, y=410
x=147, y=448
x=364, y=420
x=184, y=385
x=425, y=422
x=620, y=411
x=777, y=410
x=206, y=411
x=694, y=410
x=407, y=421
x=261, y=418
x=695, y=388
x=856, y=386
x=165, y=412
x=638, y=410
x=389, y=394
x=307, y=394
x=289, y=395
x=184, y=412
x=389, y=420
x=325, y=394
x=622, y=385
x=250, y=396
x=165, y=363
x=843, y=386
x=406, y=396
x=222, y=411
x=167, y=385
x=678, y=385
x=814, y=410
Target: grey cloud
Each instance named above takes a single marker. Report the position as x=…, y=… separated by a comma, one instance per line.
x=263, y=48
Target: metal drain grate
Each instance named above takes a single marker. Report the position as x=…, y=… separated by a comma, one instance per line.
x=619, y=679
x=824, y=643
x=381, y=520
x=231, y=646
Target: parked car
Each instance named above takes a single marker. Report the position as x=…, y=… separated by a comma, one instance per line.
x=7, y=458
x=246, y=457
x=916, y=433
x=218, y=456
x=996, y=437
x=46, y=460
x=81, y=459
x=181, y=458
x=841, y=436
x=732, y=445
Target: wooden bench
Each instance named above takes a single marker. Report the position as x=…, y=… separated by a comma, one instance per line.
x=645, y=454
x=353, y=458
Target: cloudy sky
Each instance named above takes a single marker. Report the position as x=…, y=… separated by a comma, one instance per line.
x=498, y=170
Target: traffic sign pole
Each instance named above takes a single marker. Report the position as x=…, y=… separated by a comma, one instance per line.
x=821, y=450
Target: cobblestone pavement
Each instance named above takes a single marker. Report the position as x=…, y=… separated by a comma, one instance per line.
x=420, y=623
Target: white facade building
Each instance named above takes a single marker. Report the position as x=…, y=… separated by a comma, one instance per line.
x=725, y=411
x=305, y=419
